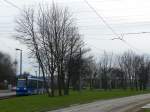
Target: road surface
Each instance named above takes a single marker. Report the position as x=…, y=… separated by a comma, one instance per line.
x=126, y=104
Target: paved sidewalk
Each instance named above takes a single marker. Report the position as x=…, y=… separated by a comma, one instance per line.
x=6, y=93
x=146, y=106
x=114, y=105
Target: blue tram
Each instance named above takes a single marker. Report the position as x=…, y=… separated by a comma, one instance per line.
x=29, y=86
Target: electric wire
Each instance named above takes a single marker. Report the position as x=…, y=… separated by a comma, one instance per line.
x=120, y=37
x=12, y=4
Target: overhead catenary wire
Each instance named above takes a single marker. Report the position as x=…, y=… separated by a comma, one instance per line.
x=102, y=19
x=120, y=37
x=134, y=33
x=12, y=4
x=128, y=44
x=19, y=8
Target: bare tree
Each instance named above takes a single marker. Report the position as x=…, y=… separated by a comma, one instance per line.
x=126, y=65
x=143, y=74
x=135, y=69
x=105, y=65
x=27, y=33
x=52, y=37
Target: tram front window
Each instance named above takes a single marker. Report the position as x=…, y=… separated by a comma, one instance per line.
x=21, y=83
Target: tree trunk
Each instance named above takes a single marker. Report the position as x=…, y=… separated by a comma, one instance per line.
x=59, y=82
x=52, y=85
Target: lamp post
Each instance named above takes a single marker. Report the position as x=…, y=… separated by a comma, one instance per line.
x=20, y=60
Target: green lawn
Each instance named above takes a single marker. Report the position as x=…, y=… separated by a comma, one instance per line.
x=42, y=103
x=146, y=110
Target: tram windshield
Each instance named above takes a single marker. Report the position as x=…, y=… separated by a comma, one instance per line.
x=21, y=83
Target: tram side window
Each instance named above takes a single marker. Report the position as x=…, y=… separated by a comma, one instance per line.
x=40, y=84
x=35, y=84
x=32, y=84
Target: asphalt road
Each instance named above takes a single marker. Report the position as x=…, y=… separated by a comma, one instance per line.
x=126, y=104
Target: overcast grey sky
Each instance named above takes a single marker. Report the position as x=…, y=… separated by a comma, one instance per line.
x=124, y=16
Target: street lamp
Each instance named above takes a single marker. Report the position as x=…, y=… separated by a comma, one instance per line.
x=20, y=60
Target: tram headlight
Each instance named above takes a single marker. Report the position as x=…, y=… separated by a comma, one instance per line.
x=17, y=88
